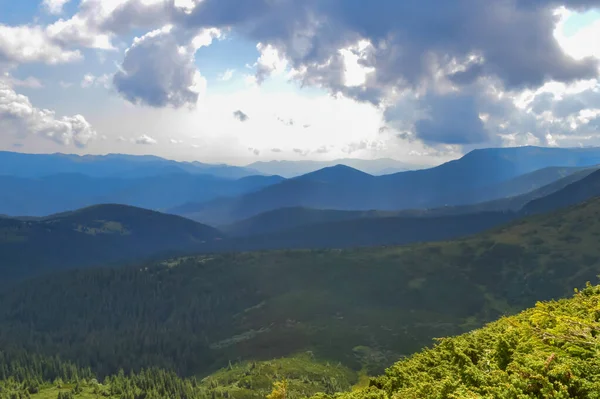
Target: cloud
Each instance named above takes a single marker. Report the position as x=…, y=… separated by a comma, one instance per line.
x=287, y=122
x=452, y=119
x=372, y=145
x=255, y=151
x=240, y=116
x=408, y=42
x=31, y=44
x=175, y=141
x=29, y=82
x=158, y=71
x=275, y=149
x=402, y=52
x=323, y=149
x=145, y=139
x=20, y=118
x=55, y=6
x=90, y=80
x=301, y=152
x=78, y=32
x=227, y=75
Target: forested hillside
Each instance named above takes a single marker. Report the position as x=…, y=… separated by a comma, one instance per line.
x=548, y=351
x=194, y=314
x=94, y=236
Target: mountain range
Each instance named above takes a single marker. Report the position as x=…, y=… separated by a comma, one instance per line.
x=117, y=233
x=282, y=219
x=38, y=185
x=58, y=193
x=110, y=165
x=481, y=175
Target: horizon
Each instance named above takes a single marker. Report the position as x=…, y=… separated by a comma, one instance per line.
x=422, y=166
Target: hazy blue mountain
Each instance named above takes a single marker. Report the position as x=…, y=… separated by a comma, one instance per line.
x=478, y=176
x=288, y=218
x=94, y=236
x=517, y=186
x=575, y=193
x=62, y=192
x=309, y=228
x=111, y=233
x=381, y=166
x=111, y=165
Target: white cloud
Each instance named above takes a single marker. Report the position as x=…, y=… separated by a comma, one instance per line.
x=227, y=75
x=175, y=141
x=20, y=118
x=145, y=139
x=90, y=80
x=55, y=6
x=269, y=62
x=27, y=44
x=29, y=82
x=77, y=32
x=158, y=71
x=583, y=43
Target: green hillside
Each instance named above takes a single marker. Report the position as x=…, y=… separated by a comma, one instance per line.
x=361, y=307
x=93, y=236
x=548, y=351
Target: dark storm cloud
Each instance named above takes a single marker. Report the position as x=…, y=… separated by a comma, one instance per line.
x=453, y=119
x=410, y=38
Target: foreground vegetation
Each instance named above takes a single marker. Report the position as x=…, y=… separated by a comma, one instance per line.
x=548, y=351
x=26, y=376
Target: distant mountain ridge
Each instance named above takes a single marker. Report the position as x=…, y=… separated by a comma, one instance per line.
x=468, y=180
x=110, y=165
x=112, y=233
x=61, y=192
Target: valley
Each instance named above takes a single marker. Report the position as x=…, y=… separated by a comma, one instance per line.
x=306, y=300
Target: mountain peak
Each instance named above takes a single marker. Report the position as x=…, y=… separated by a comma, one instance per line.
x=335, y=173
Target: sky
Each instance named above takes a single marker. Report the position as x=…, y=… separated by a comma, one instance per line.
x=232, y=81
